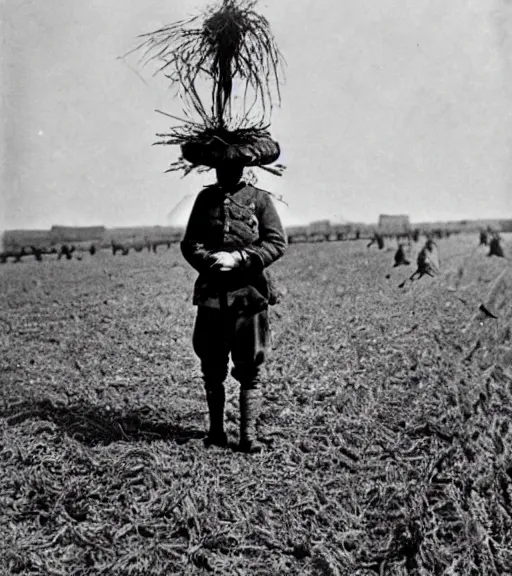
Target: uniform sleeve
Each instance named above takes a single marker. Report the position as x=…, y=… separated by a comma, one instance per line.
x=192, y=246
x=272, y=241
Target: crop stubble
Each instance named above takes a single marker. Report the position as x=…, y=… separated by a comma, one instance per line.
x=387, y=423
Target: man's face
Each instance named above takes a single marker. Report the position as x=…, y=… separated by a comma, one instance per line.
x=229, y=175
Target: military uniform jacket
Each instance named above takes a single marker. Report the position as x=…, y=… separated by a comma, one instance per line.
x=243, y=220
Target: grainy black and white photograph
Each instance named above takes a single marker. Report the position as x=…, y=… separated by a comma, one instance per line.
x=256, y=288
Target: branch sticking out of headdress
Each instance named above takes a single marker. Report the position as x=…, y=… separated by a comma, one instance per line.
x=228, y=43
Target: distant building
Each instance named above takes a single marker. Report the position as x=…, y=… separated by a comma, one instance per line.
x=320, y=229
x=394, y=223
x=59, y=234
x=15, y=239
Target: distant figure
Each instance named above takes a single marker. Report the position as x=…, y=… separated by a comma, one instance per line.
x=92, y=250
x=4, y=256
x=427, y=260
x=401, y=256
x=38, y=253
x=377, y=238
x=358, y=234
x=66, y=251
x=495, y=248
x=20, y=254
x=416, y=234
x=484, y=240
x=118, y=247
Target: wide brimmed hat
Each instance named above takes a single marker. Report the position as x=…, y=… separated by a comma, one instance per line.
x=242, y=149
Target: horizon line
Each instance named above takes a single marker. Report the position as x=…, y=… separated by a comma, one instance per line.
x=334, y=222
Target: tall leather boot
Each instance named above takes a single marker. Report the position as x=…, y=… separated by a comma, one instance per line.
x=216, y=398
x=250, y=407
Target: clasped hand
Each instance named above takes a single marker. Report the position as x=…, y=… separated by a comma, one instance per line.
x=225, y=261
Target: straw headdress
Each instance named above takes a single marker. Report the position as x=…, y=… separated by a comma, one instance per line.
x=230, y=49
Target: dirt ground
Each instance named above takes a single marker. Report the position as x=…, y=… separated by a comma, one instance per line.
x=387, y=421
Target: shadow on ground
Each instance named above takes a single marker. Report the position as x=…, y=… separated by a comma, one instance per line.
x=97, y=425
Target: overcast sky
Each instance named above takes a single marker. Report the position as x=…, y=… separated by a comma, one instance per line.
x=395, y=106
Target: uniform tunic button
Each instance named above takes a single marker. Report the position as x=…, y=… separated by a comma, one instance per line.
x=226, y=228
x=226, y=200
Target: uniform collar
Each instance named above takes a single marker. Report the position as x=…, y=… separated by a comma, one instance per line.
x=234, y=190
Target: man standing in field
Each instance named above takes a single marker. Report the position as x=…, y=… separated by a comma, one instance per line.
x=234, y=233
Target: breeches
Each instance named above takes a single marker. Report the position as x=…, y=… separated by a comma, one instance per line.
x=217, y=334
